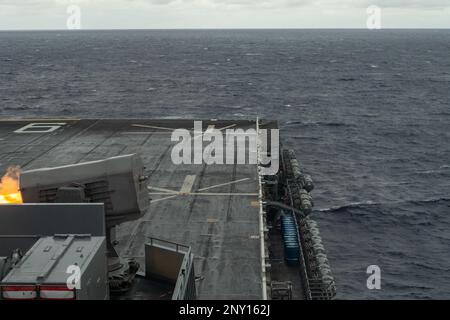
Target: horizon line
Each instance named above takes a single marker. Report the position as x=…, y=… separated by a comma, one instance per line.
x=226, y=28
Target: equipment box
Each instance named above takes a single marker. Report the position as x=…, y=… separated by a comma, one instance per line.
x=62, y=267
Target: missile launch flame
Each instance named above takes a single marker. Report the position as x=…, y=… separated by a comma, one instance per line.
x=9, y=186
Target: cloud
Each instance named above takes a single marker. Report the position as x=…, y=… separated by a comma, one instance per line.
x=243, y=3
x=130, y=14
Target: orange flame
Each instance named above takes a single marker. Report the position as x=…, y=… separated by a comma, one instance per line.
x=9, y=186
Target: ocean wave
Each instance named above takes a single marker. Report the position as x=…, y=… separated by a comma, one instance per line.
x=371, y=204
x=427, y=266
x=20, y=108
x=318, y=123
x=441, y=169
x=438, y=171
x=352, y=205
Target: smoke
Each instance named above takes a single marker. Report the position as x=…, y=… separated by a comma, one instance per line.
x=10, y=181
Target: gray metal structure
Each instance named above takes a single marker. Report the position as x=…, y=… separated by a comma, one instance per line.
x=53, y=262
x=51, y=218
x=172, y=263
x=168, y=273
x=21, y=225
x=117, y=182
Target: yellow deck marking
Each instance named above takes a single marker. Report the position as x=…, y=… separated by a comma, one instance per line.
x=188, y=183
x=255, y=204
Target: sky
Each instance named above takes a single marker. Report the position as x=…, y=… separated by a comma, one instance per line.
x=170, y=14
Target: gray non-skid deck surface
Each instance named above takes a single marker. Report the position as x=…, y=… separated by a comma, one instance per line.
x=222, y=228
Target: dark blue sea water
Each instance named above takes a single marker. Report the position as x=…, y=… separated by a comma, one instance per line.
x=368, y=114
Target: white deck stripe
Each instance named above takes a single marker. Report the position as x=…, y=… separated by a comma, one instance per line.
x=223, y=184
x=204, y=194
x=145, y=132
x=163, y=190
x=223, y=194
x=227, y=127
x=152, y=127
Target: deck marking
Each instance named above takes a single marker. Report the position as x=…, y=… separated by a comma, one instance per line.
x=223, y=184
x=144, y=132
x=204, y=194
x=227, y=127
x=186, y=190
x=188, y=183
x=210, y=129
x=224, y=194
x=165, y=198
x=166, y=191
x=37, y=120
x=152, y=127
x=41, y=127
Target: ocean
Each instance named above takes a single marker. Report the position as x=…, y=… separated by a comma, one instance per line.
x=367, y=112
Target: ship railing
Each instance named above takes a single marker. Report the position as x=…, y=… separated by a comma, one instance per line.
x=321, y=290
x=185, y=286
x=183, y=260
x=168, y=244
